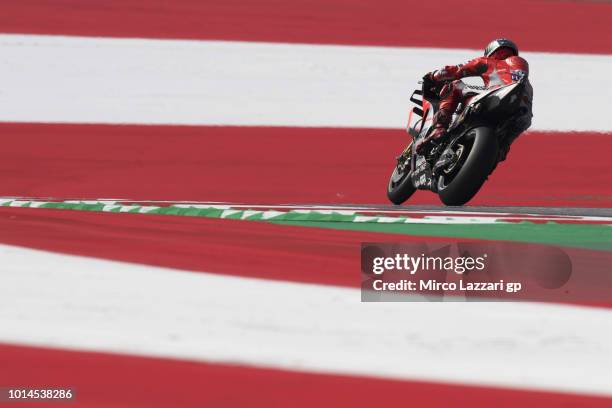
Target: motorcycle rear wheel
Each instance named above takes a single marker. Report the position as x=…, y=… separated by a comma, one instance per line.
x=471, y=175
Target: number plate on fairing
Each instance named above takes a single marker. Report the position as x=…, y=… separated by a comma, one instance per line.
x=420, y=163
x=422, y=174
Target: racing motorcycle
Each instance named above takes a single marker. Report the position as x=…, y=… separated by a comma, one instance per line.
x=479, y=137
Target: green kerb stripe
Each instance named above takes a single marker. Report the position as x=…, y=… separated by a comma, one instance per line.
x=592, y=236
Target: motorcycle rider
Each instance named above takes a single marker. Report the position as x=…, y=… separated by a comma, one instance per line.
x=500, y=65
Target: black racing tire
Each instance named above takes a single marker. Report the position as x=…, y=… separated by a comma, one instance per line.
x=479, y=163
x=402, y=189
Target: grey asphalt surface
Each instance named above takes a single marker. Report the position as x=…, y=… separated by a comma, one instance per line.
x=571, y=211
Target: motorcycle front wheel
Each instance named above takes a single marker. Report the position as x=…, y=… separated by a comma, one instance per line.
x=400, y=187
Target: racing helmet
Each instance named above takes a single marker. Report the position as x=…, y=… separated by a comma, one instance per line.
x=500, y=43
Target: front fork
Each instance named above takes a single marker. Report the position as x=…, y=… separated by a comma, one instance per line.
x=407, y=157
x=407, y=151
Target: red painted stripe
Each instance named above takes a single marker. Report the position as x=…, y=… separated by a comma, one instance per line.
x=278, y=165
x=542, y=25
x=243, y=248
x=107, y=380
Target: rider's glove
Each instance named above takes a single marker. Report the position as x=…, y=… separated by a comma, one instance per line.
x=431, y=76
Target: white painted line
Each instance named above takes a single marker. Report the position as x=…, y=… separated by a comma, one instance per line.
x=267, y=213
x=88, y=304
x=338, y=208
x=143, y=81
